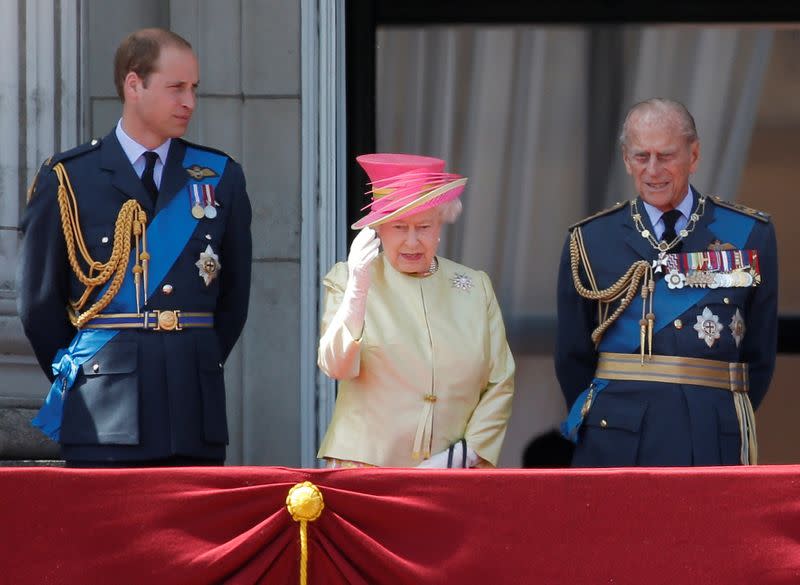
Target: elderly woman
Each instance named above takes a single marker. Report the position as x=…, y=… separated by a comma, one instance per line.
x=416, y=340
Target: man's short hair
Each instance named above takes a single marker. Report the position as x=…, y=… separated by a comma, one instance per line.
x=139, y=52
x=666, y=108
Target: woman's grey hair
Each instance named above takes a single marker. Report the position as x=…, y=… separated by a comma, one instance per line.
x=662, y=108
x=450, y=210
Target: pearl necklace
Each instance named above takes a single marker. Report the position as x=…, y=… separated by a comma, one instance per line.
x=431, y=269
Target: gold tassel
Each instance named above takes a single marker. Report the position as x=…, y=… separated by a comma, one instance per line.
x=137, y=269
x=145, y=256
x=643, y=322
x=651, y=316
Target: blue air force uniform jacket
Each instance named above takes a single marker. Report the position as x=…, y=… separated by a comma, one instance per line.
x=146, y=394
x=655, y=423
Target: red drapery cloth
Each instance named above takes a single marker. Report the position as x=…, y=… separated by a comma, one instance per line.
x=385, y=526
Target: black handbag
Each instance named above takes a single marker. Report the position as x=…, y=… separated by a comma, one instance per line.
x=451, y=448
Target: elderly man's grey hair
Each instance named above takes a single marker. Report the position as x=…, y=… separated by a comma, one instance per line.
x=661, y=108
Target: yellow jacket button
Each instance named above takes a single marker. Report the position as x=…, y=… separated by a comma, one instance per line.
x=604, y=423
x=678, y=323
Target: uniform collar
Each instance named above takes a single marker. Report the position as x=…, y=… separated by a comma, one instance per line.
x=133, y=150
x=685, y=207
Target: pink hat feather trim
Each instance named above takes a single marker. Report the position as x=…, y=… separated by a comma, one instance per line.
x=405, y=184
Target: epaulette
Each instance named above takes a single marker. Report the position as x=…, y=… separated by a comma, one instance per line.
x=32, y=188
x=74, y=152
x=749, y=211
x=204, y=147
x=52, y=161
x=617, y=206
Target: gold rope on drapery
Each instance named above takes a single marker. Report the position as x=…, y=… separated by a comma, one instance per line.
x=305, y=504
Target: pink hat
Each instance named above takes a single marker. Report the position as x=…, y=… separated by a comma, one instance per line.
x=405, y=184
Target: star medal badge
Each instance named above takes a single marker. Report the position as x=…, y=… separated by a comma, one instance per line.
x=209, y=265
x=708, y=327
x=210, y=209
x=737, y=327
x=196, y=200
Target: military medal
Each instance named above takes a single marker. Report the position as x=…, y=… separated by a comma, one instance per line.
x=208, y=265
x=744, y=278
x=661, y=262
x=196, y=200
x=675, y=279
x=708, y=327
x=713, y=268
x=210, y=210
x=737, y=327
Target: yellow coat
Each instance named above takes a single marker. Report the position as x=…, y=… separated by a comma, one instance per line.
x=432, y=366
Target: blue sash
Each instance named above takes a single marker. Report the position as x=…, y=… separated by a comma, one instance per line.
x=623, y=335
x=167, y=235
x=571, y=425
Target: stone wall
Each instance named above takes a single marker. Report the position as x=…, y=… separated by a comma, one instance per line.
x=57, y=91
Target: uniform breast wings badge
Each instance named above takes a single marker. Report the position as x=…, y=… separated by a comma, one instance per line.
x=718, y=245
x=208, y=265
x=199, y=173
x=708, y=327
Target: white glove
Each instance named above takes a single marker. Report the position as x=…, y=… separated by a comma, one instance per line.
x=363, y=251
x=439, y=460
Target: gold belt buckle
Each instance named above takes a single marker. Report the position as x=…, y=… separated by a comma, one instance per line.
x=168, y=321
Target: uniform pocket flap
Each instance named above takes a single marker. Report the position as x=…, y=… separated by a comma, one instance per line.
x=613, y=412
x=115, y=358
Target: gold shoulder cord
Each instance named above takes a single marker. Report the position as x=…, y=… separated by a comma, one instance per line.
x=639, y=273
x=131, y=221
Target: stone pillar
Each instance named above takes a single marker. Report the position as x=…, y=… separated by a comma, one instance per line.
x=39, y=115
x=249, y=106
x=57, y=92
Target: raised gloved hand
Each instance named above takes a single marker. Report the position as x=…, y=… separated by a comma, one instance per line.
x=363, y=251
x=439, y=460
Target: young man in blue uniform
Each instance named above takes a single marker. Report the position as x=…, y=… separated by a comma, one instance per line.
x=134, y=279
x=667, y=312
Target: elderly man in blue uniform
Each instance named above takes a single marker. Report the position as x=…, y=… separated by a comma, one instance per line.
x=135, y=275
x=667, y=308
